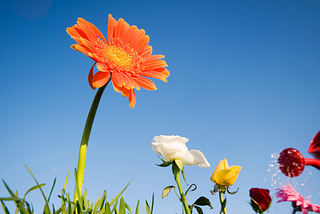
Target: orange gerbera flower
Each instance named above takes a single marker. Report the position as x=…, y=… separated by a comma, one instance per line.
x=125, y=57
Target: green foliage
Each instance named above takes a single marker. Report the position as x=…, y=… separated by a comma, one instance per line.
x=81, y=206
x=166, y=191
x=165, y=163
x=201, y=201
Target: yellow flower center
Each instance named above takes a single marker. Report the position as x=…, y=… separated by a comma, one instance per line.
x=118, y=59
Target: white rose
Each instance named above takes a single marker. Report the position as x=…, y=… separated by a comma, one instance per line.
x=174, y=148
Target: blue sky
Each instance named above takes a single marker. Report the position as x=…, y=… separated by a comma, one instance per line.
x=244, y=84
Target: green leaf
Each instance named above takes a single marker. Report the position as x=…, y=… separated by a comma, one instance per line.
x=107, y=206
x=164, y=163
x=33, y=188
x=166, y=191
x=114, y=206
x=199, y=210
x=128, y=208
x=46, y=207
x=77, y=190
x=54, y=183
x=85, y=199
x=28, y=208
x=10, y=199
x=9, y=190
x=152, y=203
x=122, y=206
x=65, y=183
x=19, y=205
x=137, y=208
x=148, y=208
x=4, y=207
x=116, y=198
x=203, y=201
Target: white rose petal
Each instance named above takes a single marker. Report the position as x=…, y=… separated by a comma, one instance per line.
x=174, y=148
x=195, y=157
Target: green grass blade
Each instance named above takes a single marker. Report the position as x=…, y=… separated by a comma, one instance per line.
x=65, y=182
x=46, y=208
x=86, y=202
x=33, y=188
x=54, y=183
x=137, y=208
x=152, y=203
x=4, y=207
x=107, y=208
x=9, y=190
x=10, y=199
x=148, y=208
x=17, y=201
x=77, y=184
x=128, y=208
x=122, y=206
x=114, y=206
x=116, y=198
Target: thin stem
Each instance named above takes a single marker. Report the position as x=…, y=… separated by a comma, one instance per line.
x=183, y=198
x=222, y=203
x=85, y=139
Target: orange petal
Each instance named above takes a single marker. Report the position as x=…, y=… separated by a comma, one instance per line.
x=88, y=44
x=102, y=67
x=121, y=29
x=98, y=32
x=146, y=83
x=141, y=44
x=153, y=58
x=118, y=79
x=154, y=64
x=132, y=99
x=154, y=74
x=147, y=51
x=90, y=77
x=111, y=25
x=136, y=38
x=86, y=27
x=133, y=30
x=100, y=79
x=80, y=48
x=162, y=70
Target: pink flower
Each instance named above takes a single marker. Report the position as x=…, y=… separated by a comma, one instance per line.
x=287, y=193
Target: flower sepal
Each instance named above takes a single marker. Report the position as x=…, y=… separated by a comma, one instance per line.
x=232, y=193
x=165, y=163
x=256, y=207
x=218, y=188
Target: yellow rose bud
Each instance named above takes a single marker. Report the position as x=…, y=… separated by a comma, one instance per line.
x=225, y=175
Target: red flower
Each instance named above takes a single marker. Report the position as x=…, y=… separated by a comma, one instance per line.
x=260, y=197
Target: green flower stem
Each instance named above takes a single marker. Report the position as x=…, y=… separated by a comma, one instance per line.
x=222, y=203
x=183, y=198
x=85, y=140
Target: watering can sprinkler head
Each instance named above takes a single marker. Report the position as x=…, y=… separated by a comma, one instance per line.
x=292, y=163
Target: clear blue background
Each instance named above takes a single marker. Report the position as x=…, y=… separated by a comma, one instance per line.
x=244, y=84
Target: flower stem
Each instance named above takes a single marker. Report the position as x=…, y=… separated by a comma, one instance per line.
x=223, y=203
x=85, y=140
x=183, y=199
